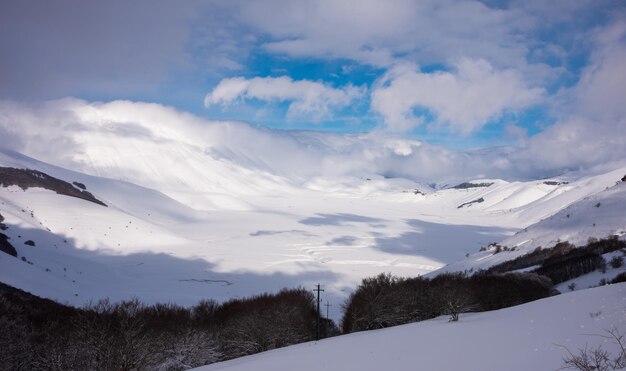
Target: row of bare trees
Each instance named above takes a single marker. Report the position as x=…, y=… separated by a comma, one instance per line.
x=565, y=261
x=385, y=300
x=39, y=334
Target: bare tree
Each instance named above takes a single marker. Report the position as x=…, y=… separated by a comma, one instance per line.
x=455, y=300
x=454, y=295
x=191, y=348
x=598, y=359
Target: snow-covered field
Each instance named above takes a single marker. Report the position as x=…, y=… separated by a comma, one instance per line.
x=526, y=337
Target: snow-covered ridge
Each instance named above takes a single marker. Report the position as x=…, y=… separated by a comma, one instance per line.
x=596, y=216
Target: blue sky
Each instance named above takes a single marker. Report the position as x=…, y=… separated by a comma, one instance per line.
x=458, y=74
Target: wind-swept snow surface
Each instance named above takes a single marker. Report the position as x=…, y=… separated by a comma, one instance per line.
x=527, y=337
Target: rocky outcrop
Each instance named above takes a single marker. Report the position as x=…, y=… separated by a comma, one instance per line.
x=6, y=247
x=26, y=178
x=468, y=185
x=477, y=201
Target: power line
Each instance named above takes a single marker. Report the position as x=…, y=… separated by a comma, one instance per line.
x=317, y=322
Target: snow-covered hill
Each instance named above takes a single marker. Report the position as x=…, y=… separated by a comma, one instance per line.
x=334, y=232
x=202, y=209
x=595, y=216
x=526, y=337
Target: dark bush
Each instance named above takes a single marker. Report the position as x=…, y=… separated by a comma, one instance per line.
x=564, y=261
x=619, y=278
x=574, y=264
x=536, y=257
x=616, y=261
x=495, y=291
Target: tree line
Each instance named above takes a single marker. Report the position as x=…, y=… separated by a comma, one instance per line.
x=564, y=261
x=385, y=300
x=40, y=334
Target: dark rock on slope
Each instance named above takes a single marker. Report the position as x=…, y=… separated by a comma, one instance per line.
x=26, y=178
x=468, y=185
x=6, y=247
x=477, y=201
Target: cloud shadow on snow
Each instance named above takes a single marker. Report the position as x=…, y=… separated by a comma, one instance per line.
x=440, y=242
x=63, y=272
x=343, y=241
x=341, y=219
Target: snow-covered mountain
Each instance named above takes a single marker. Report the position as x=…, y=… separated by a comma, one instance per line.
x=198, y=209
x=177, y=230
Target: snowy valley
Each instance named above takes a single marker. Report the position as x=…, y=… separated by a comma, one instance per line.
x=179, y=216
x=182, y=223
x=314, y=184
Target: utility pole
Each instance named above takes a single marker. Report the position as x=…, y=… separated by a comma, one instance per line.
x=317, y=322
x=328, y=305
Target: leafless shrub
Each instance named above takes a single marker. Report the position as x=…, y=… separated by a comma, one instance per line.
x=598, y=359
x=190, y=349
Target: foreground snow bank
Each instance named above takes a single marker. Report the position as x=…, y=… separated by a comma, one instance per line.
x=526, y=337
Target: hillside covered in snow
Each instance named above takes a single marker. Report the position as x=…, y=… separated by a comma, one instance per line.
x=533, y=336
x=195, y=211
x=180, y=210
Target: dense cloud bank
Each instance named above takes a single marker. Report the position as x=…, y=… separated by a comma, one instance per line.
x=71, y=133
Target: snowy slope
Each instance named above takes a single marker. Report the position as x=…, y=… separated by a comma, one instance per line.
x=598, y=215
x=525, y=337
x=334, y=232
x=222, y=209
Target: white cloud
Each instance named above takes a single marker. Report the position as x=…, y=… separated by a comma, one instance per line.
x=306, y=97
x=602, y=87
x=591, y=125
x=465, y=99
x=516, y=132
x=136, y=138
x=378, y=32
